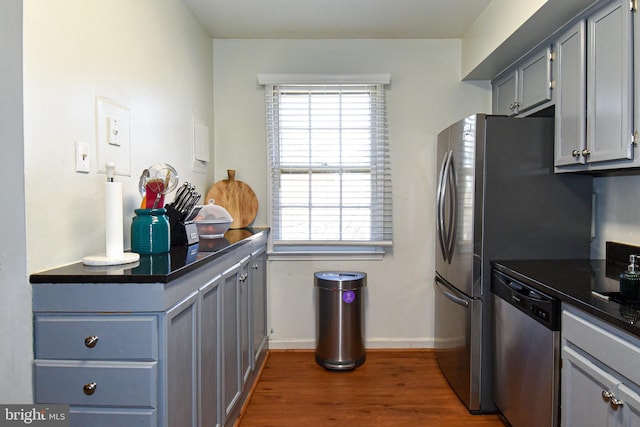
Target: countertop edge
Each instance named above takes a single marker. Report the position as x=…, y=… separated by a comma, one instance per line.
x=590, y=307
x=49, y=277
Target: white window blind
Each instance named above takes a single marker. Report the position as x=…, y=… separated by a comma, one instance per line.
x=330, y=165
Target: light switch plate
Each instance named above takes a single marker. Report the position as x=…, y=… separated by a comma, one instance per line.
x=112, y=136
x=201, y=152
x=201, y=142
x=83, y=162
x=113, y=130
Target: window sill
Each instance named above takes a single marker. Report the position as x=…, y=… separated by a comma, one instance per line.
x=326, y=253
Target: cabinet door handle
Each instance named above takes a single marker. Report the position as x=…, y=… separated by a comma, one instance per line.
x=615, y=404
x=255, y=266
x=91, y=341
x=575, y=153
x=89, y=388
x=243, y=277
x=586, y=152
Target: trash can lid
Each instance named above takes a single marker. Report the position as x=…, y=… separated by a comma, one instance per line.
x=340, y=279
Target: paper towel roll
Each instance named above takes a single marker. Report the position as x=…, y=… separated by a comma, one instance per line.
x=113, y=219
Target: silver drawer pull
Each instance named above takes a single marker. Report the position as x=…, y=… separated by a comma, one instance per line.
x=89, y=388
x=607, y=396
x=91, y=341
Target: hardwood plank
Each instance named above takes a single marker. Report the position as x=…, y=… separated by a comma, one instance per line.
x=392, y=388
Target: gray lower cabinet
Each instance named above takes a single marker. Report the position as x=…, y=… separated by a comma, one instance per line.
x=210, y=364
x=246, y=359
x=182, y=362
x=258, y=298
x=187, y=357
x=231, y=338
x=105, y=366
x=600, y=376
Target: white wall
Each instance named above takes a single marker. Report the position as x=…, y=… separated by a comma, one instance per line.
x=425, y=96
x=15, y=300
x=495, y=24
x=149, y=55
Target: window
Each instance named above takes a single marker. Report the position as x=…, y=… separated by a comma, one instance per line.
x=329, y=164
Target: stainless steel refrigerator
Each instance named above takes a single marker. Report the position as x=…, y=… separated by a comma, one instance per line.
x=497, y=198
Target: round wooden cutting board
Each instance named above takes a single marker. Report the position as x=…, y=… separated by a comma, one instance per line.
x=237, y=198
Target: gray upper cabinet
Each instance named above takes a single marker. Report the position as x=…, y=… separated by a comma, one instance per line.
x=528, y=85
x=588, y=74
x=570, y=96
x=609, y=83
x=597, y=136
x=505, y=91
x=534, y=80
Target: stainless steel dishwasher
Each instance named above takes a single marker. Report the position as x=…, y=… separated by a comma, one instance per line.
x=526, y=353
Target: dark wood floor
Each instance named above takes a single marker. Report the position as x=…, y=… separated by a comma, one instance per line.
x=392, y=388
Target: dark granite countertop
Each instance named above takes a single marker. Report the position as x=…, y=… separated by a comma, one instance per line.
x=582, y=283
x=162, y=268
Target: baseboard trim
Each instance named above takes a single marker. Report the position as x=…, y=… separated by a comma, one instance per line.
x=383, y=343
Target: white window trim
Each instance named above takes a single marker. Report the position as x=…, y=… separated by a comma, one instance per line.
x=372, y=251
x=276, y=79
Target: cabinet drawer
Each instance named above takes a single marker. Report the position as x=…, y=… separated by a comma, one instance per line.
x=117, y=337
x=116, y=383
x=109, y=417
x=606, y=343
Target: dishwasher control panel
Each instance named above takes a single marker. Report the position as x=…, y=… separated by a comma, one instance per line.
x=543, y=308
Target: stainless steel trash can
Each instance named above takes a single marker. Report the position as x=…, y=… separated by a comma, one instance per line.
x=340, y=319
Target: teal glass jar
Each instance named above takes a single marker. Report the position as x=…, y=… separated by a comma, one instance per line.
x=150, y=232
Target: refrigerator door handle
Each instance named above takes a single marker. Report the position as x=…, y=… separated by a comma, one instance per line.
x=451, y=233
x=440, y=205
x=442, y=287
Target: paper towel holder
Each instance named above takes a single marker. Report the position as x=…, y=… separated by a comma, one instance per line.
x=115, y=254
